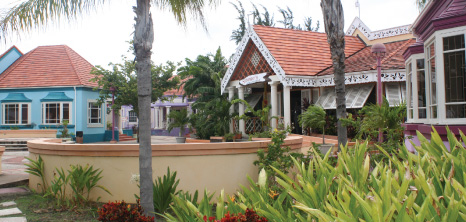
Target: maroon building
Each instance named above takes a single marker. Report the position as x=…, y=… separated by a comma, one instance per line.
x=435, y=68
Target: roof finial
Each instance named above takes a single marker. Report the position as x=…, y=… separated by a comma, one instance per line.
x=359, y=7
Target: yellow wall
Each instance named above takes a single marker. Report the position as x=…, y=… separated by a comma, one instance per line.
x=197, y=170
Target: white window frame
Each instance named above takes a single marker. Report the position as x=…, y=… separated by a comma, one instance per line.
x=20, y=116
x=89, y=124
x=70, y=104
x=129, y=117
x=409, y=90
x=440, y=75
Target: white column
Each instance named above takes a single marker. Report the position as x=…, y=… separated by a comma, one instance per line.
x=156, y=117
x=161, y=118
x=287, y=105
x=274, y=102
x=241, y=109
x=168, y=113
x=190, y=108
x=231, y=94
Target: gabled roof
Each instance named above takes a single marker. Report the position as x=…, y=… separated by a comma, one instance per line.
x=439, y=15
x=48, y=66
x=364, y=61
x=179, y=90
x=302, y=52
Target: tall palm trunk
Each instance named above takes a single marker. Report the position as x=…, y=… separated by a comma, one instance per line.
x=334, y=23
x=143, y=39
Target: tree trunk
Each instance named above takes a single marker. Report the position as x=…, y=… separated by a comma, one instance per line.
x=143, y=39
x=332, y=11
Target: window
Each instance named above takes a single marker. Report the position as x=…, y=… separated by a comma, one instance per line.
x=56, y=113
x=94, y=113
x=16, y=113
x=421, y=89
x=409, y=84
x=132, y=117
x=455, y=81
x=432, y=81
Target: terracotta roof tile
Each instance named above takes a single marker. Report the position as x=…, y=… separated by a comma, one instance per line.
x=179, y=91
x=364, y=61
x=47, y=66
x=302, y=52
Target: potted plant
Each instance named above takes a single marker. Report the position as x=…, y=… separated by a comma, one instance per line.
x=314, y=117
x=179, y=120
x=65, y=134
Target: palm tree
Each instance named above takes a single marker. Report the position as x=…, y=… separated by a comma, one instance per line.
x=332, y=11
x=314, y=118
x=32, y=14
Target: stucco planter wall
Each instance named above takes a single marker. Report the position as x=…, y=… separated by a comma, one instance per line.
x=211, y=166
x=28, y=133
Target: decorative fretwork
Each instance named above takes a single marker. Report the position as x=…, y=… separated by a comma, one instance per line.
x=252, y=62
x=356, y=78
x=385, y=33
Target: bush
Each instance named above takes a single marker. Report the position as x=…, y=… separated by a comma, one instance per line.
x=121, y=211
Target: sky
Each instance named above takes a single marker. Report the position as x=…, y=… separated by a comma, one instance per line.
x=101, y=36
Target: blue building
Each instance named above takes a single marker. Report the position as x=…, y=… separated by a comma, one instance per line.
x=49, y=85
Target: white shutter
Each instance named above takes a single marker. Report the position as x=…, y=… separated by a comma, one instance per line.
x=364, y=92
x=403, y=92
x=393, y=93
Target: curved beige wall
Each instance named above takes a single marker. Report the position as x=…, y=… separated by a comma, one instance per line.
x=28, y=133
x=211, y=166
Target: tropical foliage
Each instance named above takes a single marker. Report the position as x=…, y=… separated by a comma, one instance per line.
x=427, y=186
x=266, y=19
x=203, y=78
x=122, y=76
x=178, y=119
x=314, y=117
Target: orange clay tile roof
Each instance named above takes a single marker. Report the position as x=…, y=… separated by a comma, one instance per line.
x=364, y=61
x=47, y=66
x=302, y=52
x=177, y=91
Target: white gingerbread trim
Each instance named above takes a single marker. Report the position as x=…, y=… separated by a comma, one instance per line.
x=350, y=78
x=251, y=34
x=380, y=34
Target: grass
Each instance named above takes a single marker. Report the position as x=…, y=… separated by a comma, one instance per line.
x=37, y=208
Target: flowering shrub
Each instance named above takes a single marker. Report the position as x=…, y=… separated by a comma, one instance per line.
x=121, y=211
x=249, y=216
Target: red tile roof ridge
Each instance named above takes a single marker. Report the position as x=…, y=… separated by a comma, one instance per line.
x=409, y=41
x=12, y=67
x=67, y=50
x=287, y=29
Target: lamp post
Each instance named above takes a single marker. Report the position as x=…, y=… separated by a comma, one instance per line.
x=113, y=89
x=379, y=50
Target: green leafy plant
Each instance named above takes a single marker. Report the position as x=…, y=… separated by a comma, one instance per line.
x=164, y=189
x=276, y=156
x=58, y=188
x=314, y=117
x=83, y=180
x=179, y=119
x=229, y=137
x=37, y=168
x=64, y=133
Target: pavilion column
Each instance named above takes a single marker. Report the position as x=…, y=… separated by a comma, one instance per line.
x=241, y=109
x=168, y=118
x=287, y=105
x=190, y=108
x=274, y=102
x=156, y=117
x=161, y=118
x=231, y=94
